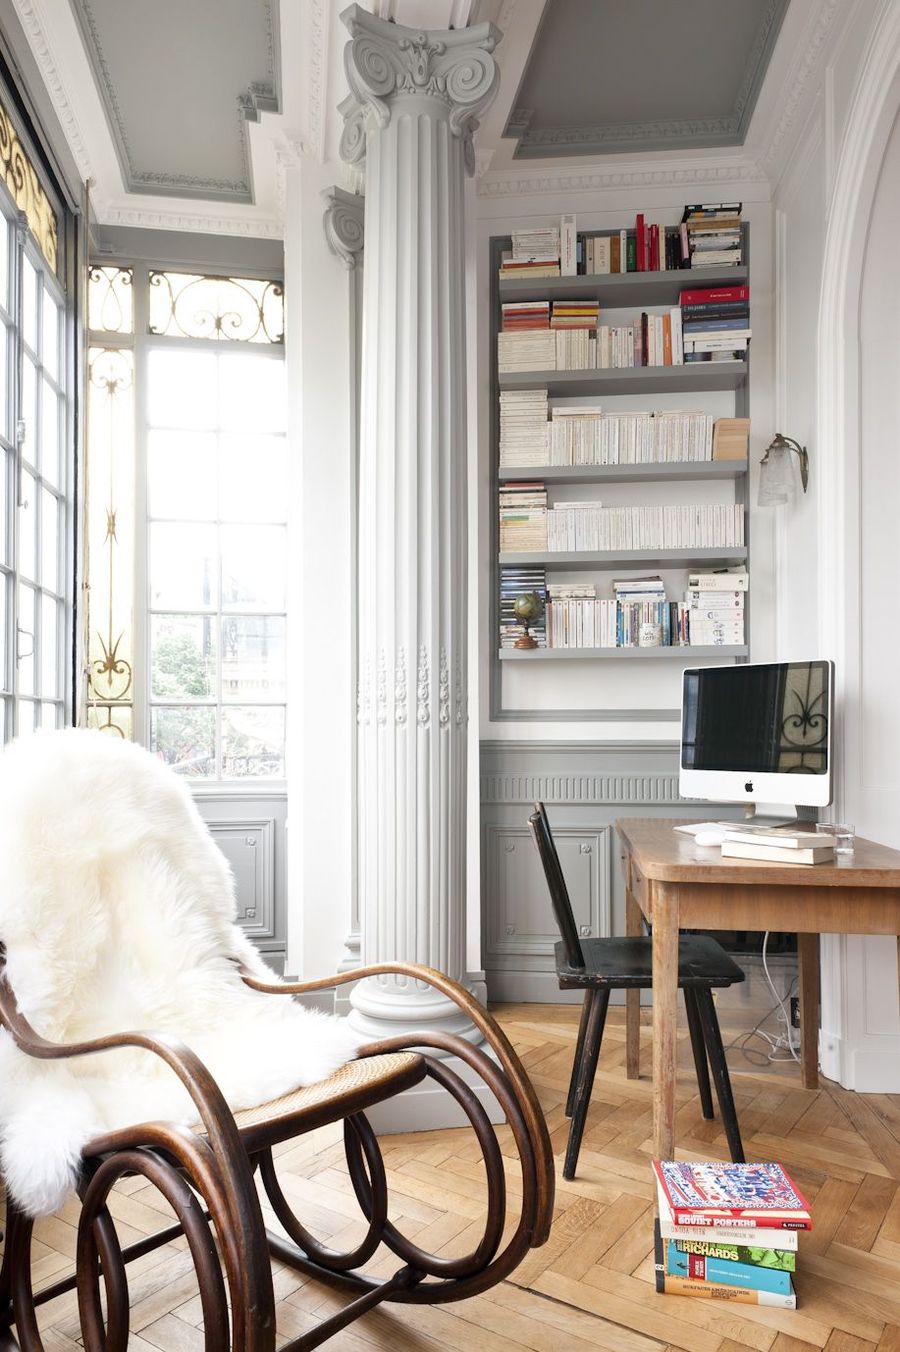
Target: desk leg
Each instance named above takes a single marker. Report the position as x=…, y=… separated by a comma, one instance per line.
x=808, y=955
x=665, y=1014
x=633, y=998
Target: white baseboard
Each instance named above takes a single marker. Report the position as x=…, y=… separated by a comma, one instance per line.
x=866, y=1069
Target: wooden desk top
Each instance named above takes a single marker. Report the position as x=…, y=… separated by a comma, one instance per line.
x=672, y=857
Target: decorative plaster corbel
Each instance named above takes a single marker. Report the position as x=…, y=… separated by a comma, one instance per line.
x=344, y=224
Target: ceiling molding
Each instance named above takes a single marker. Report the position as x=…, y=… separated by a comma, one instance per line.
x=622, y=137
x=42, y=51
x=523, y=182
x=261, y=96
x=200, y=222
x=801, y=78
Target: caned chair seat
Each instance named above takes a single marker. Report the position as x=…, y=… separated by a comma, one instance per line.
x=354, y=1087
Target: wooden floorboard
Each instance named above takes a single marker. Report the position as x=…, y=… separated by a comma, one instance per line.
x=591, y=1286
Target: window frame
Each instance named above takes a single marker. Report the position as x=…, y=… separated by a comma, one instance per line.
x=144, y=343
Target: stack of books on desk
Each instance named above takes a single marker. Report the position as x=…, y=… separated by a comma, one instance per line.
x=728, y=1232
x=780, y=844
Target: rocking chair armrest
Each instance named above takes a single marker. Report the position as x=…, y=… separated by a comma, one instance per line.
x=204, y=1092
x=493, y=1034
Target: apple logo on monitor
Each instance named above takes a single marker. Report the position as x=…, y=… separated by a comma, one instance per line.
x=749, y=786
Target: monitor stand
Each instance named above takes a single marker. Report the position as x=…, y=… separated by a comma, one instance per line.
x=769, y=814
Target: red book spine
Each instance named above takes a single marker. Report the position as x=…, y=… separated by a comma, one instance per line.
x=654, y=248
x=697, y=1266
x=765, y=1220
x=708, y=294
x=640, y=241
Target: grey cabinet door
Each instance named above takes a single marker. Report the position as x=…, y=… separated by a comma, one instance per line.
x=519, y=932
x=249, y=848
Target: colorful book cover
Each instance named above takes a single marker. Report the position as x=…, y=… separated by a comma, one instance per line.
x=717, y=1193
x=672, y=1284
x=723, y=1267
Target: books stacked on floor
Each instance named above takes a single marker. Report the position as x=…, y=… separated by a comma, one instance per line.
x=780, y=845
x=728, y=1231
x=575, y=323
x=716, y=608
x=533, y=350
x=585, y=435
x=523, y=517
x=578, y=618
x=523, y=428
x=590, y=526
x=713, y=234
x=521, y=316
x=715, y=323
x=516, y=582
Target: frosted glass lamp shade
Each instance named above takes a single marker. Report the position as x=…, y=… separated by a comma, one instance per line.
x=778, y=473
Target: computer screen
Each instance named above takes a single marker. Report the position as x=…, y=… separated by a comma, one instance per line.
x=745, y=728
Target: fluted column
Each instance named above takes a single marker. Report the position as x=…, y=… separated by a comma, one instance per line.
x=413, y=107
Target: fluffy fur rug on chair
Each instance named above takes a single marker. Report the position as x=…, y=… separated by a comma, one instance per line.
x=116, y=909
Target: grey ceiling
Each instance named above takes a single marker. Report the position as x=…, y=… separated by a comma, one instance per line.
x=606, y=76
x=179, y=79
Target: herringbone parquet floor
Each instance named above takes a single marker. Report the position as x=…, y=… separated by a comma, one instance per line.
x=591, y=1286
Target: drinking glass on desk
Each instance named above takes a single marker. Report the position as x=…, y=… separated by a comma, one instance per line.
x=844, y=835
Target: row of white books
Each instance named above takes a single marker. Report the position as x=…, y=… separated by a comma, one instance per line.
x=601, y=622
x=587, y=436
x=523, y=427
x=590, y=526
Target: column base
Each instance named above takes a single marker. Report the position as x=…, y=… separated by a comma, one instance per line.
x=428, y=1107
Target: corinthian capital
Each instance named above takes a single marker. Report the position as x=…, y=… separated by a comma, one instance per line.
x=383, y=60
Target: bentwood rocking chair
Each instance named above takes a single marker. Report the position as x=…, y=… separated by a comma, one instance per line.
x=203, y=1160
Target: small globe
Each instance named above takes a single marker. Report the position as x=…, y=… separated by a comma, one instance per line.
x=528, y=608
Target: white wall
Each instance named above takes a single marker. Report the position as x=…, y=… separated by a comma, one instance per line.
x=837, y=195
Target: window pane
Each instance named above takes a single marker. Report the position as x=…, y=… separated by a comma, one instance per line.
x=182, y=475
x=29, y=410
x=251, y=393
x=50, y=414
x=182, y=389
x=50, y=673
x=51, y=335
x=5, y=471
x=253, y=658
x=182, y=567
x=185, y=739
x=28, y=713
x=51, y=716
x=25, y=640
x=253, y=567
x=4, y=263
x=28, y=527
x=253, y=478
x=183, y=656
x=49, y=541
x=4, y=374
x=4, y=664
x=29, y=304
x=252, y=743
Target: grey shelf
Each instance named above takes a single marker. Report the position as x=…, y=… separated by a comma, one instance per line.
x=623, y=290
x=694, y=377
x=686, y=652
x=596, y=474
x=583, y=560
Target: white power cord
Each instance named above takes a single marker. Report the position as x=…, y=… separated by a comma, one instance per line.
x=779, y=1042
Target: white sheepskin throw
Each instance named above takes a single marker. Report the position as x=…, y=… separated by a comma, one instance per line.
x=116, y=909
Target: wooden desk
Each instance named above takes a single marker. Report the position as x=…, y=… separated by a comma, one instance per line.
x=677, y=884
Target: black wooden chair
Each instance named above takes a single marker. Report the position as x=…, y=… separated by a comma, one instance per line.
x=599, y=966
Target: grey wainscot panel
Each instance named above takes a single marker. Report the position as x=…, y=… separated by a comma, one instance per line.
x=250, y=832
x=585, y=787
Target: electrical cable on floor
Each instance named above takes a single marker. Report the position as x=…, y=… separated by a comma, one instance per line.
x=776, y=1042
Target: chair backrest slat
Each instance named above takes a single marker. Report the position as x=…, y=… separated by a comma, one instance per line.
x=556, y=883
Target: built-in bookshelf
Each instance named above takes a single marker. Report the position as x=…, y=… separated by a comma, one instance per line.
x=620, y=292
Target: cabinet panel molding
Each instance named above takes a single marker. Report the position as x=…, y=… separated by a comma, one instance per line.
x=249, y=847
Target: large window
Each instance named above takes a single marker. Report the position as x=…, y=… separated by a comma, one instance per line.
x=203, y=679
x=35, y=474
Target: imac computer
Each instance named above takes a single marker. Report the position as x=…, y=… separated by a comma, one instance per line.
x=758, y=733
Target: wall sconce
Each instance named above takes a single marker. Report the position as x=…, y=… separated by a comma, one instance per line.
x=777, y=484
